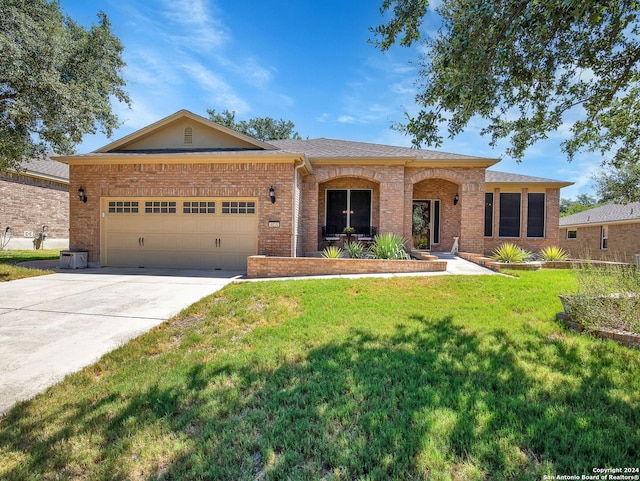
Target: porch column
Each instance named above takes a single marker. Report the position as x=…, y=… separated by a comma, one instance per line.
x=472, y=217
x=392, y=202
x=408, y=212
x=309, y=213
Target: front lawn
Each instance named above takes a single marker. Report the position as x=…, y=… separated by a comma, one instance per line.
x=9, y=271
x=434, y=378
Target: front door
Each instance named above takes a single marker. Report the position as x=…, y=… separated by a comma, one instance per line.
x=426, y=223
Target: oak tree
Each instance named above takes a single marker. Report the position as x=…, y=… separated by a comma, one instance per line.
x=261, y=128
x=57, y=80
x=529, y=68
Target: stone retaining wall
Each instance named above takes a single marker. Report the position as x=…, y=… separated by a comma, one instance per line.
x=267, y=266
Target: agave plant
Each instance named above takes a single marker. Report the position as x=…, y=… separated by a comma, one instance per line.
x=388, y=246
x=511, y=253
x=332, y=252
x=355, y=250
x=553, y=253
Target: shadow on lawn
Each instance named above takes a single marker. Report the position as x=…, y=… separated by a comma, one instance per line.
x=429, y=401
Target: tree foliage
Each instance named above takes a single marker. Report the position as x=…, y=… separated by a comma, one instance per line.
x=621, y=185
x=581, y=203
x=261, y=128
x=57, y=80
x=527, y=67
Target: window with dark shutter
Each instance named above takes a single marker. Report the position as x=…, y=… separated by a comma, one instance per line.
x=510, y=206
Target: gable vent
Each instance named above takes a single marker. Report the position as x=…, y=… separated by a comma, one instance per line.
x=188, y=135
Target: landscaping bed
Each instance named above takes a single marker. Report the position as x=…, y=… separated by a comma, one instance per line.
x=267, y=266
x=622, y=337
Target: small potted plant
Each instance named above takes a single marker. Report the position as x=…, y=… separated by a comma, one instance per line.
x=348, y=231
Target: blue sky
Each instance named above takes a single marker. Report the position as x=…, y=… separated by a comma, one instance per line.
x=300, y=60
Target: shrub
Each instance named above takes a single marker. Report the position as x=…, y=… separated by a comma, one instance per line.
x=608, y=296
x=332, y=252
x=511, y=253
x=423, y=243
x=553, y=253
x=355, y=250
x=388, y=246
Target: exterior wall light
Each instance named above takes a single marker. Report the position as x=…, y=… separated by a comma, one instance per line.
x=456, y=198
x=272, y=194
x=81, y=195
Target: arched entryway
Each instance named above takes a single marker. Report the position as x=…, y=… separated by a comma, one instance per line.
x=343, y=202
x=435, y=214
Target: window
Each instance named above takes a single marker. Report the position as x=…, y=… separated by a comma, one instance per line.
x=604, y=243
x=239, y=207
x=199, y=207
x=535, y=215
x=123, y=207
x=509, y=215
x=436, y=221
x=160, y=207
x=348, y=208
x=488, y=214
x=572, y=234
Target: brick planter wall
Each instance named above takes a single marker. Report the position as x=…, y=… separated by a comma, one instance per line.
x=263, y=266
x=628, y=339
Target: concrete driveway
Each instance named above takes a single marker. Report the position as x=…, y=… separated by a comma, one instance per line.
x=54, y=325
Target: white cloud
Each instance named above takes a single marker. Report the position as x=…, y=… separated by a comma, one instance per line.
x=346, y=119
x=256, y=73
x=205, y=31
x=216, y=89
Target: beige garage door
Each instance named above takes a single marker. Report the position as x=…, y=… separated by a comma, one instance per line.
x=187, y=233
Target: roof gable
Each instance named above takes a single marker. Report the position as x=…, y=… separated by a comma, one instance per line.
x=184, y=131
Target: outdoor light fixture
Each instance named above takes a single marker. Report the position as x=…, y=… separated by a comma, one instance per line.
x=272, y=194
x=81, y=195
x=456, y=198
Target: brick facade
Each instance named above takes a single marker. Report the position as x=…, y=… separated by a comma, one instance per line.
x=300, y=205
x=185, y=180
x=155, y=162
x=532, y=244
x=622, y=244
x=28, y=203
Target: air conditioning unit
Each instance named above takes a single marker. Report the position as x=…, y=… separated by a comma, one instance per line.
x=73, y=259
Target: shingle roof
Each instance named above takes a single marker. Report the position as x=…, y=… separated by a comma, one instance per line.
x=604, y=214
x=46, y=168
x=495, y=177
x=327, y=148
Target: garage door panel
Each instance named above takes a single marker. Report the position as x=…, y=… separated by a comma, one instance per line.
x=157, y=237
x=198, y=242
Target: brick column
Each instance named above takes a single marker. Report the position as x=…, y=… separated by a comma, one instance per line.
x=472, y=217
x=392, y=202
x=309, y=213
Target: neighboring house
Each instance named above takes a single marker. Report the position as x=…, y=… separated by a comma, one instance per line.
x=609, y=232
x=34, y=199
x=187, y=192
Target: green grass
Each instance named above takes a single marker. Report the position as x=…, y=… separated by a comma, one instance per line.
x=9, y=271
x=434, y=378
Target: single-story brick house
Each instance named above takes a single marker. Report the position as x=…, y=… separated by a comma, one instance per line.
x=34, y=199
x=609, y=232
x=187, y=192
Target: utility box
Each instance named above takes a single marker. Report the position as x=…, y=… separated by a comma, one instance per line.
x=73, y=259
x=636, y=259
